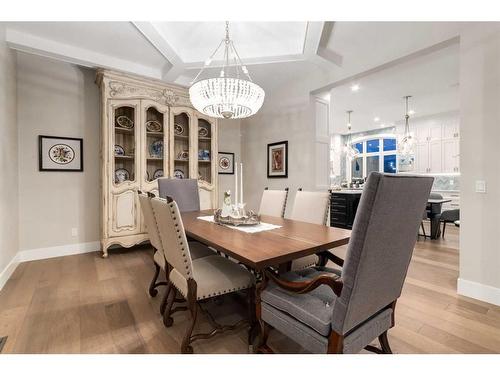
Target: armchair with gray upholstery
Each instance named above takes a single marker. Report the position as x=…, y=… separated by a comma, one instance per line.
x=330, y=311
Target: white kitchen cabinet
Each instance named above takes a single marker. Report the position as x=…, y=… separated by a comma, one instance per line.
x=450, y=158
x=422, y=158
x=451, y=130
x=435, y=156
x=437, y=148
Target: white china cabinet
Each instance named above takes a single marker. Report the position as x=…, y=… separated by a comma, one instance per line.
x=149, y=130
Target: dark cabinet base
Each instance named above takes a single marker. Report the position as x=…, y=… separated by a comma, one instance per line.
x=343, y=207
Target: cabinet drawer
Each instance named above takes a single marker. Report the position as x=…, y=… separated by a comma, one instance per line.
x=338, y=215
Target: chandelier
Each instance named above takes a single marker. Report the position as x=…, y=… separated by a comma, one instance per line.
x=232, y=94
x=349, y=150
x=406, y=146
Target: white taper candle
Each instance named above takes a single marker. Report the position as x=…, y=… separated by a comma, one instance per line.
x=241, y=183
x=235, y=183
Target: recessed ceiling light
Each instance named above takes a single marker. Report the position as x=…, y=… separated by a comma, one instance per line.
x=411, y=112
x=376, y=119
x=382, y=125
x=355, y=87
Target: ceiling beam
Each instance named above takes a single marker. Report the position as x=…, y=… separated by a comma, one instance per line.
x=325, y=52
x=44, y=47
x=174, y=66
x=389, y=64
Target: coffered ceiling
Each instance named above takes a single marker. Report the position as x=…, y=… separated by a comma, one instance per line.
x=276, y=52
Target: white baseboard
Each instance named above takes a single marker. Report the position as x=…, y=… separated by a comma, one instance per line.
x=478, y=291
x=46, y=253
x=58, y=251
x=8, y=271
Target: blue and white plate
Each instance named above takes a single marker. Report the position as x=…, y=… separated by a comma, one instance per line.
x=119, y=151
x=156, y=149
x=178, y=174
x=158, y=173
x=121, y=175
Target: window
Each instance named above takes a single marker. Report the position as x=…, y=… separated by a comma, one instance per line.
x=373, y=145
x=376, y=154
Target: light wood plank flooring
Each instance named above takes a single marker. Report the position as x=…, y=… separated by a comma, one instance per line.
x=86, y=304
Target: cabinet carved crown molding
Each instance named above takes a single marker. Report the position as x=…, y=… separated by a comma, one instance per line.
x=165, y=96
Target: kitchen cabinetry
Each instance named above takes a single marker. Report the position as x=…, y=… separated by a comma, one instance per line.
x=343, y=207
x=437, y=147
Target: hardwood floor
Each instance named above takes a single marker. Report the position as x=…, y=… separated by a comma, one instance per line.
x=87, y=304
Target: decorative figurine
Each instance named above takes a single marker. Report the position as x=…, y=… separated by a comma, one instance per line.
x=227, y=207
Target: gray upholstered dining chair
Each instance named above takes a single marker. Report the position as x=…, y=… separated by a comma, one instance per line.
x=273, y=202
x=197, y=249
x=311, y=207
x=425, y=215
x=184, y=191
x=332, y=311
x=449, y=216
x=196, y=279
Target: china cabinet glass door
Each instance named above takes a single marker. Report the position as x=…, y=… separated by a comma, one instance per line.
x=181, y=129
x=156, y=140
x=123, y=167
x=205, y=155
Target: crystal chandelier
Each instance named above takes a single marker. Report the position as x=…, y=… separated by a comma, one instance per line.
x=406, y=146
x=349, y=150
x=232, y=94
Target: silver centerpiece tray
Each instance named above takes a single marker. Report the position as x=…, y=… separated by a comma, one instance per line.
x=250, y=218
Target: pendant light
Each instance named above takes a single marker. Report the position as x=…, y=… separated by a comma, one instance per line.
x=406, y=146
x=230, y=95
x=350, y=151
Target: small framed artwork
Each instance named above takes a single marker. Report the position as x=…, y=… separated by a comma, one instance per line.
x=225, y=163
x=277, y=160
x=60, y=154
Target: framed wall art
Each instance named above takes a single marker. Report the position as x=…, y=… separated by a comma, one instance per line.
x=277, y=160
x=60, y=154
x=225, y=163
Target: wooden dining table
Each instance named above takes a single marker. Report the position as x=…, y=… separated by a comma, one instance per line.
x=275, y=248
x=271, y=248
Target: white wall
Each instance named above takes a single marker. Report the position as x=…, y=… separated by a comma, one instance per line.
x=287, y=115
x=59, y=99
x=479, y=156
x=229, y=134
x=8, y=159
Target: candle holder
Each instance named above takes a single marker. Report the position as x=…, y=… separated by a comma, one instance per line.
x=238, y=216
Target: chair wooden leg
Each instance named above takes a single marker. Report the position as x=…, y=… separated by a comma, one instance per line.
x=152, y=286
x=444, y=228
x=170, y=294
x=384, y=343
x=423, y=229
x=251, y=316
x=263, y=348
x=335, y=343
x=186, y=348
x=163, y=305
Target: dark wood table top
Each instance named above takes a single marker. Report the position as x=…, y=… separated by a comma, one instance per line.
x=293, y=240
